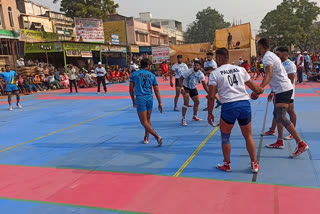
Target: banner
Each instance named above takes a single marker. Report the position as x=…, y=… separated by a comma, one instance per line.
x=91, y=30
x=86, y=54
x=116, y=27
x=40, y=47
x=134, y=49
x=240, y=34
x=160, y=54
x=38, y=36
x=73, y=53
x=113, y=48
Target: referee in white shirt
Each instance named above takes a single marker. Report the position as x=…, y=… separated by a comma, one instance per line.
x=101, y=77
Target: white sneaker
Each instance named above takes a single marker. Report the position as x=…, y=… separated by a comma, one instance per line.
x=98, y=93
x=146, y=140
x=289, y=137
x=184, y=122
x=10, y=109
x=159, y=140
x=19, y=106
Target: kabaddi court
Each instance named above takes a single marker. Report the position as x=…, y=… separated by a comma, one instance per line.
x=84, y=153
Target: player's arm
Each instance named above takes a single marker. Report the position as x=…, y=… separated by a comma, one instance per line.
x=158, y=96
x=254, y=87
x=267, y=77
x=291, y=77
x=211, y=97
x=205, y=86
x=181, y=82
x=171, y=75
x=131, y=91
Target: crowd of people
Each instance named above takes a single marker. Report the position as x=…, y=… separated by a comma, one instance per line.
x=47, y=77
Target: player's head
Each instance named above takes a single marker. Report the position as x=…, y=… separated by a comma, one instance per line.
x=7, y=67
x=209, y=55
x=179, y=58
x=283, y=53
x=197, y=65
x=263, y=46
x=222, y=56
x=145, y=64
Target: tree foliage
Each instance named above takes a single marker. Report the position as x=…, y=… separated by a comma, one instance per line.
x=88, y=8
x=204, y=27
x=291, y=23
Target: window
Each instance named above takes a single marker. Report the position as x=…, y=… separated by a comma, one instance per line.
x=10, y=13
x=141, y=37
x=137, y=36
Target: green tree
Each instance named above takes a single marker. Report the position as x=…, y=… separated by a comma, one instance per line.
x=204, y=27
x=290, y=23
x=88, y=8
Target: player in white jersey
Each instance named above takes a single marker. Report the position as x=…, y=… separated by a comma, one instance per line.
x=291, y=69
x=209, y=66
x=189, y=81
x=277, y=77
x=177, y=69
x=230, y=82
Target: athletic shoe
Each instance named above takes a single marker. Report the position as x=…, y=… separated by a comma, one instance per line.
x=224, y=167
x=205, y=109
x=10, y=109
x=98, y=93
x=218, y=105
x=146, y=140
x=289, y=137
x=269, y=133
x=184, y=122
x=175, y=109
x=159, y=139
x=189, y=105
x=195, y=118
x=301, y=148
x=19, y=106
x=277, y=145
x=255, y=166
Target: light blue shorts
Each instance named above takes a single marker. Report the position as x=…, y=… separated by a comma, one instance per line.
x=11, y=88
x=144, y=103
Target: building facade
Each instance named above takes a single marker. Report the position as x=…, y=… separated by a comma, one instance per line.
x=61, y=24
x=9, y=32
x=172, y=27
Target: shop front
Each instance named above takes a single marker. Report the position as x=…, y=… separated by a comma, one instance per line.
x=9, y=47
x=114, y=55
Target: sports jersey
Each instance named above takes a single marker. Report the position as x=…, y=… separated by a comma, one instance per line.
x=211, y=64
x=143, y=81
x=230, y=81
x=179, y=69
x=291, y=68
x=8, y=76
x=280, y=81
x=192, y=78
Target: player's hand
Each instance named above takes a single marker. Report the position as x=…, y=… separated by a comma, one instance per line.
x=261, y=90
x=171, y=84
x=134, y=105
x=254, y=96
x=270, y=97
x=160, y=108
x=210, y=119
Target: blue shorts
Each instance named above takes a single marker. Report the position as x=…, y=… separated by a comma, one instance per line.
x=144, y=103
x=239, y=110
x=11, y=87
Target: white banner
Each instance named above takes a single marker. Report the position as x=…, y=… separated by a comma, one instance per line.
x=160, y=54
x=91, y=30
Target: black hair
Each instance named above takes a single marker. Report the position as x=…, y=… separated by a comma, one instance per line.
x=179, y=57
x=197, y=62
x=264, y=43
x=283, y=49
x=210, y=54
x=145, y=63
x=223, y=52
x=6, y=66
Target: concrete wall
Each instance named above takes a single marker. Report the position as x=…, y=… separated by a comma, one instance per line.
x=5, y=22
x=27, y=20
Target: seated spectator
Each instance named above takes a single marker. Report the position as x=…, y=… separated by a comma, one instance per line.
x=89, y=81
x=56, y=75
x=53, y=83
x=64, y=80
x=29, y=87
x=313, y=76
x=20, y=84
x=45, y=70
x=36, y=81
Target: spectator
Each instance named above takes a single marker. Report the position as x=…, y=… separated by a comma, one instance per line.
x=54, y=84
x=88, y=79
x=72, y=77
x=164, y=70
x=101, y=73
x=64, y=80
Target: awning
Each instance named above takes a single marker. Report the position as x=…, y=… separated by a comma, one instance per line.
x=9, y=34
x=142, y=32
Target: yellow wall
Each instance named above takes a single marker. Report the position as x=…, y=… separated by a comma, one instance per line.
x=241, y=33
x=116, y=27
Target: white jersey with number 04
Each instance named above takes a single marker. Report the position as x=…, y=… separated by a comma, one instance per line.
x=291, y=68
x=230, y=81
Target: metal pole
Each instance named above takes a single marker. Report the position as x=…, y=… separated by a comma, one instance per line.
x=64, y=60
x=13, y=55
